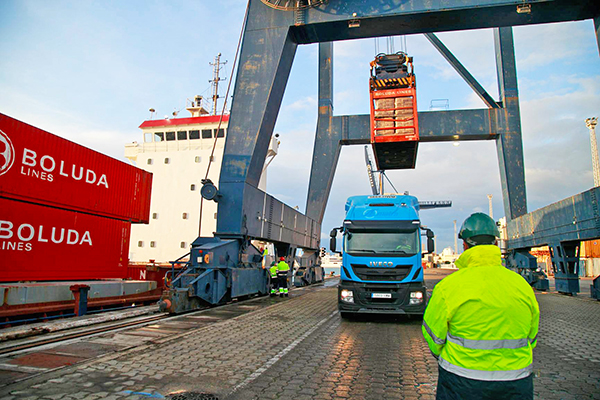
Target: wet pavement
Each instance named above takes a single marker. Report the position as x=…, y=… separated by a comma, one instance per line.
x=296, y=348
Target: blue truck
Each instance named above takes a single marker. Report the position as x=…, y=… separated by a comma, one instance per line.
x=381, y=255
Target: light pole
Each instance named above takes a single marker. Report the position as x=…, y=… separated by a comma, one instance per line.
x=591, y=125
x=455, y=239
x=491, y=208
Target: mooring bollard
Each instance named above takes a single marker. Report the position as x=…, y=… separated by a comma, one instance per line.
x=80, y=293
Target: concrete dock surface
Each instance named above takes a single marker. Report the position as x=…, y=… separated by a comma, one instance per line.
x=296, y=347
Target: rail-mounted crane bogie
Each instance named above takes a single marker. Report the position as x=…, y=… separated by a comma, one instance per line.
x=216, y=271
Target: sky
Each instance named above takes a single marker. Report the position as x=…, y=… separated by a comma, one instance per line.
x=90, y=70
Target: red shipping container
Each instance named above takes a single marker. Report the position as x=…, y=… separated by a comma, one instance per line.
x=394, y=128
x=39, y=243
x=39, y=167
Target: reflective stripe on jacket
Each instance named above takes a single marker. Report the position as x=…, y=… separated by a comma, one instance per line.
x=482, y=321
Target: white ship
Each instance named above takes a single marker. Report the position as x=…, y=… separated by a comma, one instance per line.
x=331, y=264
x=177, y=152
x=446, y=258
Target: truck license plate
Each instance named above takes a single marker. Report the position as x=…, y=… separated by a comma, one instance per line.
x=381, y=295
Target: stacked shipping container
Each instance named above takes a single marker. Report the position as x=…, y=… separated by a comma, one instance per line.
x=395, y=115
x=39, y=243
x=65, y=210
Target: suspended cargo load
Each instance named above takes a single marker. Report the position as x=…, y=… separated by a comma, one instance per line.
x=39, y=243
x=39, y=167
x=394, y=123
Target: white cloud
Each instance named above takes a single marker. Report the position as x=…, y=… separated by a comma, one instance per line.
x=545, y=45
x=474, y=49
x=306, y=103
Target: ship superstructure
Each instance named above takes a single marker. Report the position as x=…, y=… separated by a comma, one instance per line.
x=177, y=152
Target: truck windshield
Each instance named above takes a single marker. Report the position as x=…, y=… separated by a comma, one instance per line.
x=382, y=243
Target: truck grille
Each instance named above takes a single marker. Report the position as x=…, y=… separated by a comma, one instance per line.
x=364, y=273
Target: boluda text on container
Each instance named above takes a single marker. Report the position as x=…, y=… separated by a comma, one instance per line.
x=39, y=167
x=39, y=243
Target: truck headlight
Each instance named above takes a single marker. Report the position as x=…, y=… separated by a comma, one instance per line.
x=347, y=296
x=416, y=297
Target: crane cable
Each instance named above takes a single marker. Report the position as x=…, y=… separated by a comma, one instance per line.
x=210, y=160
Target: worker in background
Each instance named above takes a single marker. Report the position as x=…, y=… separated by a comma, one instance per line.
x=481, y=322
x=282, y=274
x=274, y=279
x=263, y=253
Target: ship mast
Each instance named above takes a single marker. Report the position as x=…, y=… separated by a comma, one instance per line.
x=217, y=65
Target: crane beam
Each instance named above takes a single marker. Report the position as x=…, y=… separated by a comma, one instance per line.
x=357, y=19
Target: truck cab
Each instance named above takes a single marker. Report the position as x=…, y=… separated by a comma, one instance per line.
x=381, y=256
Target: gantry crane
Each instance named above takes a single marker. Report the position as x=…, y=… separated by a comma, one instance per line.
x=227, y=265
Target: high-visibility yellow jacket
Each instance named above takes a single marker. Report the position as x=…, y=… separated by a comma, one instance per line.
x=273, y=271
x=282, y=266
x=482, y=321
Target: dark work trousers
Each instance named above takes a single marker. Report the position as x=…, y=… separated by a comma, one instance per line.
x=282, y=280
x=453, y=387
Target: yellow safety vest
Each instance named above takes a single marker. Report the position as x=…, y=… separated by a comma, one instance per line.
x=273, y=271
x=283, y=266
x=482, y=321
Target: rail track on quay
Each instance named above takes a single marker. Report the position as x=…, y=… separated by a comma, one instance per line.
x=48, y=349
x=88, y=331
x=43, y=337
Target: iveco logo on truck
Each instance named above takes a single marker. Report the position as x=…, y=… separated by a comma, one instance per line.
x=7, y=153
x=26, y=233
x=381, y=264
x=48, y=165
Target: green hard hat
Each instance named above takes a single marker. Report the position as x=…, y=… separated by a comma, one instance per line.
x=479, y=228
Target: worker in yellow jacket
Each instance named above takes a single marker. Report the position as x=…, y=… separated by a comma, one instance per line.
x=274, y=280
x=481, y=322
x=282, y=274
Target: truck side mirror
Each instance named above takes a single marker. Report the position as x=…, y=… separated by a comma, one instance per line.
x=332, y=236
x=430, y=242
x=332, y=241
